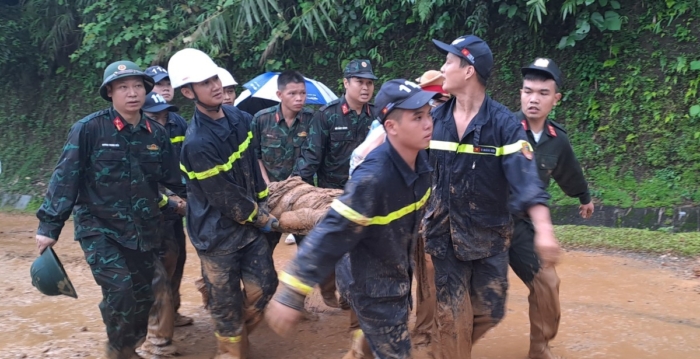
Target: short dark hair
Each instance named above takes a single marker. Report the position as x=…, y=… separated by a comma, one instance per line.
x=287, y=77
x=540, y=76
x=464, y=63
x=395, y=114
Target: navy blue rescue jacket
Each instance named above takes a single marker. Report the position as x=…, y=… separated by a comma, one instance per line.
x=376, y=222
x=224, y=184
x=478, y=181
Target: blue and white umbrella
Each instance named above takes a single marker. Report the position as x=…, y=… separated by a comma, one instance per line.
x=265, y=86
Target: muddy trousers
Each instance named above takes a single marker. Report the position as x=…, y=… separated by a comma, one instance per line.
x=543, y=284
x=236, y=313
x=178, y=270
x=125, y=276
x=471, y=298
x=375, y=341
x=426, y=303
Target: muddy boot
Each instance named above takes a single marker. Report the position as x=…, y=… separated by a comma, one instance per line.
x=359, y=349
x=544, y=312
x=125, y=353
x=151, y=349
x=232, y=347
x=252, y=295
x=181, y=320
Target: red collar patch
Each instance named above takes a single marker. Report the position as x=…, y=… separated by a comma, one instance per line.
x=551, y=130
x=118, y=123
x=148, y=126
x=524, y=123
x=346, y=109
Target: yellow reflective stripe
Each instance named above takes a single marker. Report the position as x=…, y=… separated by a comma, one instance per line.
x=220, y=168
x=264, y=193
x=358, y=218
x=294, y=283
x=479, y=150
x=224, y=339
x=177, y=139
x=253, y=214
x=163, y=201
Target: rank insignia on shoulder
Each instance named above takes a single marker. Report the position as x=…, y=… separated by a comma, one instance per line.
x=527, y=150
x=153, y=147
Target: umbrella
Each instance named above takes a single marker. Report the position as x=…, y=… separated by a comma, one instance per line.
x=252, y=105
x=265, y=86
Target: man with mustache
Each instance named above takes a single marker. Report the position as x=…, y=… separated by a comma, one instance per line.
x=335, y=131
x=555, y=158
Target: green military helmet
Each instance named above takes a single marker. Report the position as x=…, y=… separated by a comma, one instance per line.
x=49, y=277
x=121, y=69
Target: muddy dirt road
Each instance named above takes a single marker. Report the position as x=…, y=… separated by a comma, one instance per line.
x=612, y=307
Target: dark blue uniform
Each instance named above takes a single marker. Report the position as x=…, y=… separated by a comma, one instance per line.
x=375, y=221
x=175, y=251
x=226, y=202
x=479, y=180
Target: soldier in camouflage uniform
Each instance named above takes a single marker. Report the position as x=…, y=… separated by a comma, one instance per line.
x=279, y=131
x=338, y=128
x=335, y=131
x=108, y=174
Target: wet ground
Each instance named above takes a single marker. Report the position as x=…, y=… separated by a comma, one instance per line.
x=612, y=307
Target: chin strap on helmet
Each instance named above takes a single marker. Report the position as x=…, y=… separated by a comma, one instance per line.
x=209, y=108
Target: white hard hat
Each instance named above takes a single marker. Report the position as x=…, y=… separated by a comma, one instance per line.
x=226, y=78
x=190, y=66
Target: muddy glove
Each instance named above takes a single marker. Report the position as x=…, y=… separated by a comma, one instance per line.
x=272, y=225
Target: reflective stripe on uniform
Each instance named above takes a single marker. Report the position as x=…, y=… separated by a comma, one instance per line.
x=163, y=201
x=252, y=215
x=480, y=150
x=220, y=168
x=177, y=139
x=264, y=193
x=358, y=218
x=294, y=283
x=224, y=339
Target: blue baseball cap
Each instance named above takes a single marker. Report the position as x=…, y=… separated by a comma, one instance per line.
x=470, y=48
x=156, y=103
x=400, y=94
x=157, y=73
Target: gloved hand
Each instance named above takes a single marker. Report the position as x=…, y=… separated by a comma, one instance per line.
x=272, y=224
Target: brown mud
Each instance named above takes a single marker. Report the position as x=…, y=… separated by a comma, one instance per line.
x=297, y=205
x=612, y=307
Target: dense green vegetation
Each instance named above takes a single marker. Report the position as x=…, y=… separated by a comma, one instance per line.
x=630, y=98
x=628, y=239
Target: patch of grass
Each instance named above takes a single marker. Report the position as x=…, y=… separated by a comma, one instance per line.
x=629, y=239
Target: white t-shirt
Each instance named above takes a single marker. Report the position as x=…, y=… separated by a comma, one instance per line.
x=537, y=136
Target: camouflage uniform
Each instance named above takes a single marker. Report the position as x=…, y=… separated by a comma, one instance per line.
x=108, y=174
x=335, y=131
x=278, y=146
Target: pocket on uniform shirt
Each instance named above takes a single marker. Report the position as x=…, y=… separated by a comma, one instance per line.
x=271, y=150
x=151, y=163
x=344, y=135
x=109, y=166
x=546, y=162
